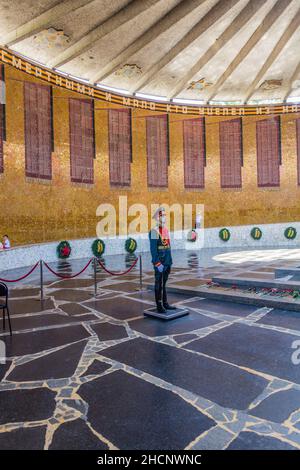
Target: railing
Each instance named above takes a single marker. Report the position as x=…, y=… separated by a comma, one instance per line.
x=93, y=260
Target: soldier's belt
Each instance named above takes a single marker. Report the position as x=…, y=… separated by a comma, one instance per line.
x=163, y=247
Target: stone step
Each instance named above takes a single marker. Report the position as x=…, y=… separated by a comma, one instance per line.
x=247, y=282
x=285, y=303
x=286, y=271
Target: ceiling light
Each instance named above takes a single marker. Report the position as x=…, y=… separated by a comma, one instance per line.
x=183, y=101
x=225, y=103
x=113, y=89
x=35, y=62
x=151, y=97
x=84, y=80
x=293, y=99
x=265, y=101
x=65, y=74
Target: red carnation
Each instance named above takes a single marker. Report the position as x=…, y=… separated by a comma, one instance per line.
x=65, y=251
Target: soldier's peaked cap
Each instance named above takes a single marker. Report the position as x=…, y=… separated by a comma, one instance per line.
x=158, y=212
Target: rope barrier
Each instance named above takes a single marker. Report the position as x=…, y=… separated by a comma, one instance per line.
x=114, y=273
x=62, y=276
x=22, y=277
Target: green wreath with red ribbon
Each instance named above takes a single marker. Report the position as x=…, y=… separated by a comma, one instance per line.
x=191, y=236
x=290, y=233
x=256, y=233
x=98, y=247
x=63, y=249
x=224, y=234
x=130, y=245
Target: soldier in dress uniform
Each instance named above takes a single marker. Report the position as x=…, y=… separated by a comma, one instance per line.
x=160, y=248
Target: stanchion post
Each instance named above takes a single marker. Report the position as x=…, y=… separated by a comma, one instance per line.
x=95, y=275
x=141, y=272
x=41, y=280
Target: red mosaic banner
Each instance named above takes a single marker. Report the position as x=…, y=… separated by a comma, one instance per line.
x=38, y=141
x=119, y=142
x=82, y=140
x=157, y=151
x=268, y=147
x=298, y=147
x=231, y=153
x=194, y=152
x=2, y=115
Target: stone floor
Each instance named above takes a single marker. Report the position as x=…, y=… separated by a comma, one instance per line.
x=91, y=372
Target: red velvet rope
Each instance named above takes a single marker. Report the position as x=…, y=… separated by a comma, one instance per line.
x=118, y=273
x=67, y=277
x=73, y=275
x=22, y=277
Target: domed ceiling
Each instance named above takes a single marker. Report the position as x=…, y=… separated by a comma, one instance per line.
x=211, y=51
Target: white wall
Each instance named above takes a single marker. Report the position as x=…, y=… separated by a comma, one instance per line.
x=273, y=235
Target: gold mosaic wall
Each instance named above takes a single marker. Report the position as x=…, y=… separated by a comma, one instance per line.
x=35, y=211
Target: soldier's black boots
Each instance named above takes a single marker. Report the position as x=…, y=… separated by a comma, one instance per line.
x=160, y=308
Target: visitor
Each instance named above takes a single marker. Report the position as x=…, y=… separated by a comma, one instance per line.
x=198, y=221
x=6, y=242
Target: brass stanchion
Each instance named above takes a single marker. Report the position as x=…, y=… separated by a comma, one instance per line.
x=141, y=273
x=41, y=281
x=95, y=276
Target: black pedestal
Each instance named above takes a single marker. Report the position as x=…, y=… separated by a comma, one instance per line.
x=169, y=315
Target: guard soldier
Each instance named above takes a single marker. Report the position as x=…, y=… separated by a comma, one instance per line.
x=160, y=248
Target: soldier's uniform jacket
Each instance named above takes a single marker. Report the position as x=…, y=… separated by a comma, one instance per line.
x=160, y=246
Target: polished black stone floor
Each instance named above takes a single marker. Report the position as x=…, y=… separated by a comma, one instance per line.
x=23, y=438
x=278, y=406
x=227, y=308
x=26, y=405
x=76, y=434
x=252, y=441
x=151, y=327
x=148, y=416
x=190, y=372
x=121, y=309
x=256, y=348
x=55, y=319
x=23, y=344
x=148, y=296
x=283, y=318
x=91, y=372
x=55, y=365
